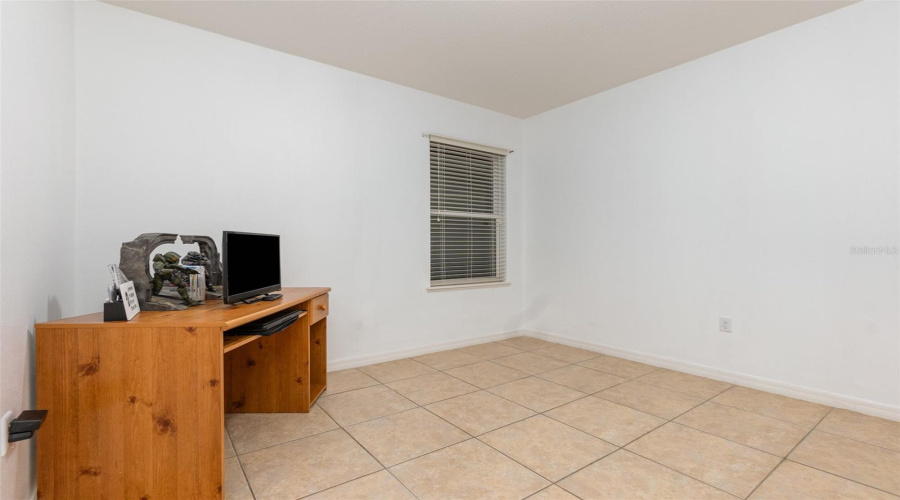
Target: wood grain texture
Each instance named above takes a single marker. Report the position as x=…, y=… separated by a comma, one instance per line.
x=270, y=374
x=318, y=363
x=318, y=308
x=133, y=412
x=136, y=409
x=232, y=343
x=213, y=313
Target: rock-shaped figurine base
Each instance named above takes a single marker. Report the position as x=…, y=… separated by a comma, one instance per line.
x=157, y=303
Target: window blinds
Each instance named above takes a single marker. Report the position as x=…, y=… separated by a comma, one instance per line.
x=468, y=213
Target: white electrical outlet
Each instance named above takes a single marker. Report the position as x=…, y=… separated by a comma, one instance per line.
x=4, y=433
x=725, y=325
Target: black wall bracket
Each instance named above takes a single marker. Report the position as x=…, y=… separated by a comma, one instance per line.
x=26, y=424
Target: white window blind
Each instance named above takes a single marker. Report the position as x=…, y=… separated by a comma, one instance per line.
x=468, y=213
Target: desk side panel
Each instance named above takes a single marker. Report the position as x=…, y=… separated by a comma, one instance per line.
x=134, y=412
x=318, y=357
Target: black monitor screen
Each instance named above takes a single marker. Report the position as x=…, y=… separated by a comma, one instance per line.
x=252, y=265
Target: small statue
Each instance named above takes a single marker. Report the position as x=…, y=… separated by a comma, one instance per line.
x=194, y=258
x=167, y=268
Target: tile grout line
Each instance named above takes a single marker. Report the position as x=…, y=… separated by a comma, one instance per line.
x=399, y=379
x=543, y=413
x=586, y=368
x=338, y=485
x=629, y=379
x=548, y=409
x=545, y=488
x=672, y=420
x=294, y=439
x=478, y=436
x=407, y=397
x=241, y=465
x=579, y=430
x=450, y=424
x=383, y=467
x=622, y=448
x=731, y=386
x=416, y=405
x=763, y=414
x=854, y=440
x=726, y=439
x=841, y=477
x=788, y=454
x=413, y=458
x=536, y=414
x=471, y=437
x=486, y=388
x=289, y=440
x=710, y=400
x=638, y=379
x=341, y=427
x=380, y=383
x=529, y=469
x=617, y=385
x=723, y=438
x=600, y=355
x=808, y=430
x=816, y=428
x=626, y=406
x=439, y=400
x=405, y=487
x=448, y=398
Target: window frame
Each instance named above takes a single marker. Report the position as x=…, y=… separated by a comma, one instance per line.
x=498, y=214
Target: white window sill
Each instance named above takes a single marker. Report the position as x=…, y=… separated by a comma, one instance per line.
x=442, y=288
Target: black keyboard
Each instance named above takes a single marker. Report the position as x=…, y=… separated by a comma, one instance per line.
x=269, y=325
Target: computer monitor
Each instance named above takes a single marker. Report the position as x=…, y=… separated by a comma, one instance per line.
x=252, y=265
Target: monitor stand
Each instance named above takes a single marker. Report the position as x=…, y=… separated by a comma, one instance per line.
x=269, y=297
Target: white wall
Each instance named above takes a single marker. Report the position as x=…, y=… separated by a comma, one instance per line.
x=37, y=201
x=733, y=186
x=181, y=130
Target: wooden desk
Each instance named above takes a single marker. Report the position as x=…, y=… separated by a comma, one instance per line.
x=137, y=408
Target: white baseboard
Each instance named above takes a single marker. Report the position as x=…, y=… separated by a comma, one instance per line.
x=814, y=395
x=356, y=361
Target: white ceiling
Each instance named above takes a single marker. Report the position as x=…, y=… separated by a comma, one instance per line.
x=518, y=58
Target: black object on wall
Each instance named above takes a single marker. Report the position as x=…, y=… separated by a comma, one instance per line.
x=26, y=424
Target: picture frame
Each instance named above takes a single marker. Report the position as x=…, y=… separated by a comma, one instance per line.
x=129, y=299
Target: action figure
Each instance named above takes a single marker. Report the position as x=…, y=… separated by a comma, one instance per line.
x=194, y=258
x=166, y=268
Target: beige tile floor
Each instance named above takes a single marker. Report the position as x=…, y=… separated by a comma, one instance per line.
x=525, y=418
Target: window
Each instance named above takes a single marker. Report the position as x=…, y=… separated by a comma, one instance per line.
x=468, y=213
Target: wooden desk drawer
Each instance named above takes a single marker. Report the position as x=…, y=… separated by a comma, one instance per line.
x=319, y=308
